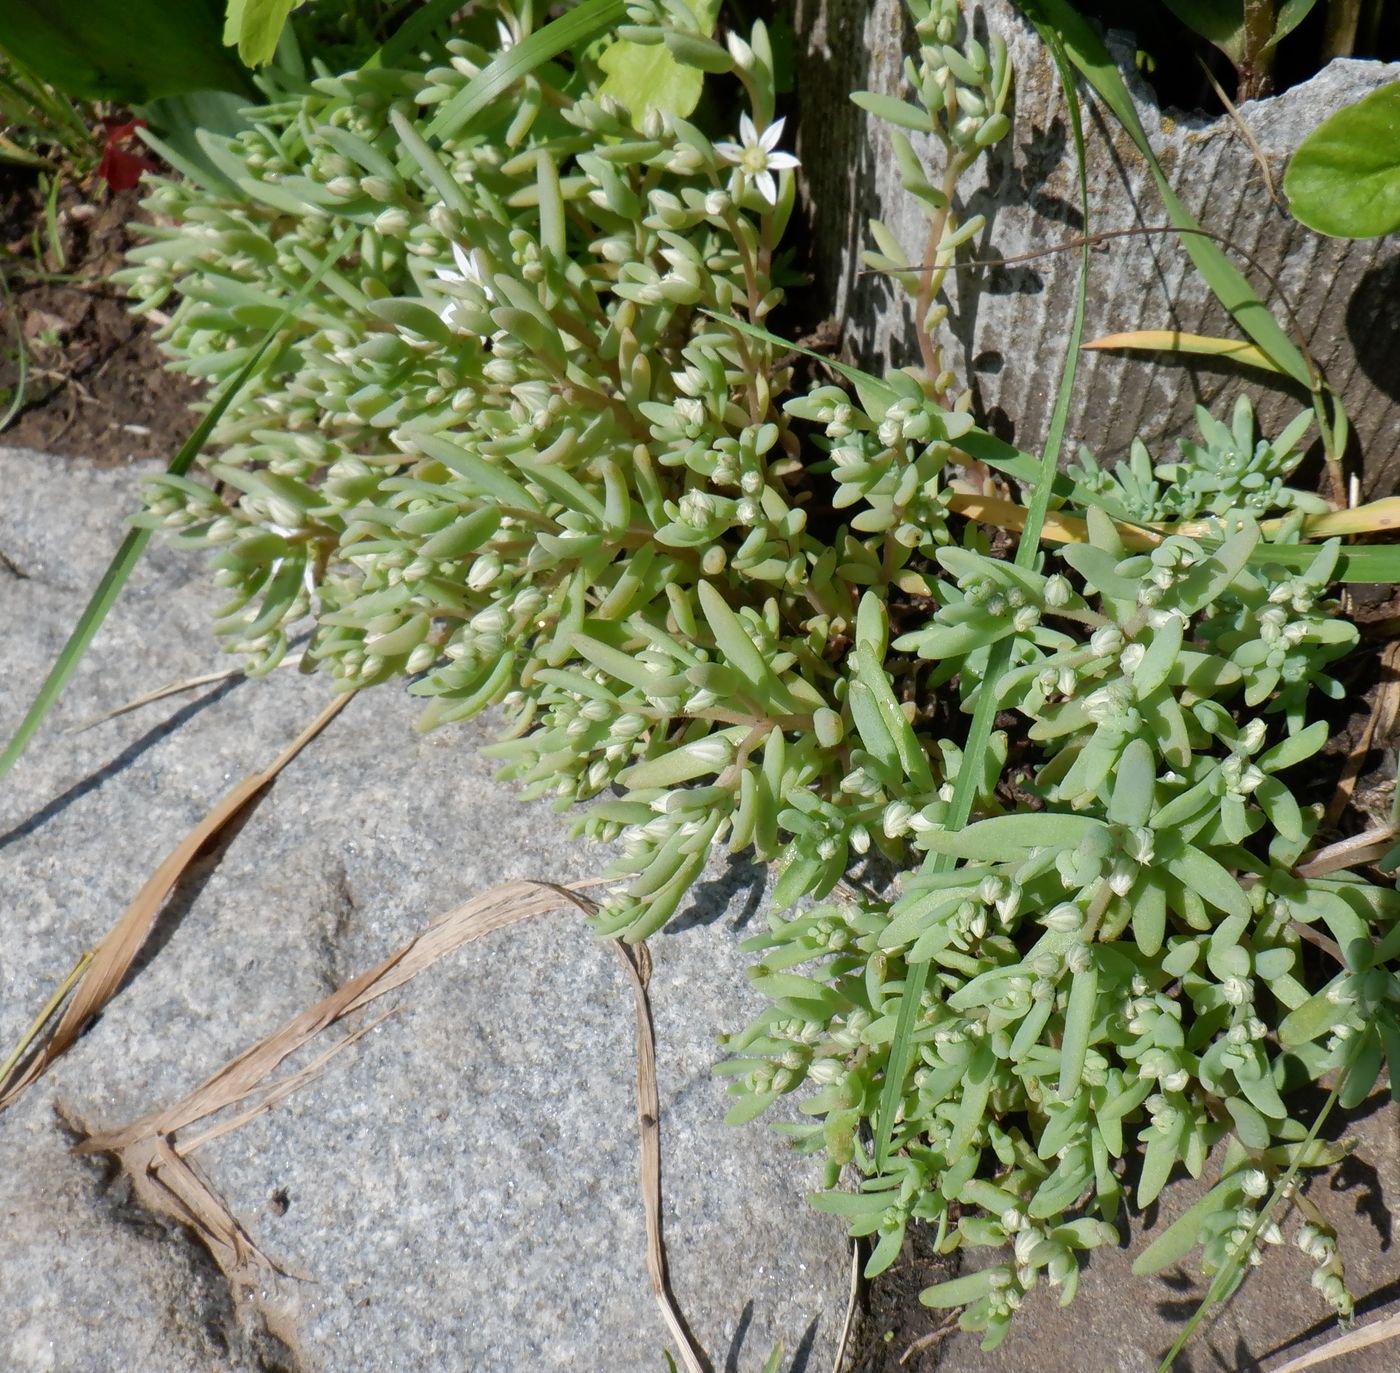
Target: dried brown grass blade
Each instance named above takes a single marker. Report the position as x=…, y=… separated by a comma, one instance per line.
x=168, y=1184
x=171, y=689
x=113, y=956
x=1380, y=724
x=1375, y=1333
x=279, y=1091
x=852, y=1300
x=1348, y=853
x=636, y=961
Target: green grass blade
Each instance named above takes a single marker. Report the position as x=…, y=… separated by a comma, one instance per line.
x=21, y=356
x=1377, y=563
x=129, y=554
x=573, y=29
x=984, y=712
x=414, y=31
x=1234, y=292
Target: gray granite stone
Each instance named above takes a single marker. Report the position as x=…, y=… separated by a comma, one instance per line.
x=460, y=1190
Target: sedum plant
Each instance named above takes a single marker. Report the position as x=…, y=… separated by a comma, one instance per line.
x=1228, y=470
x=530, y=445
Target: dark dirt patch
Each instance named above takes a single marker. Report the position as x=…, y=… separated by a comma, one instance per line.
x=96, y=387
x=894, y=1331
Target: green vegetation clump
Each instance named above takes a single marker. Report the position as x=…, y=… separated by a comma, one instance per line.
x=530, y=445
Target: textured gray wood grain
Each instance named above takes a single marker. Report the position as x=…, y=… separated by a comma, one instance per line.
x=1007, y=332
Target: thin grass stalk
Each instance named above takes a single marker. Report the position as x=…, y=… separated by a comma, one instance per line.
x=119, y=570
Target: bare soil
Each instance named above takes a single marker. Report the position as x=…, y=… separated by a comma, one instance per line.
x=95, y=386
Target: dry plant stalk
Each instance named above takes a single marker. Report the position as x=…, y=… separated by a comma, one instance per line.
x=106, y=965
x=1380, y=728
x=168, y=1183
x=173, y=689
x=1363, y=1338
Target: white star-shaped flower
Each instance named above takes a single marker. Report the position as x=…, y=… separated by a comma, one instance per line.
x=756, y=157
x=468, y=273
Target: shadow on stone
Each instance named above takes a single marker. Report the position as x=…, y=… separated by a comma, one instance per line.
x=124, y=759
x=718, y=895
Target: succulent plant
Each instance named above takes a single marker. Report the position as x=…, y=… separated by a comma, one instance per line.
x=531, y=446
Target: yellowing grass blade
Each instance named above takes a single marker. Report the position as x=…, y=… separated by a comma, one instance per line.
x=1174, y=341
x=103, y=971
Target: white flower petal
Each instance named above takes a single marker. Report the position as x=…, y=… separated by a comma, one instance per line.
x=464, y=262
x=766, y=187
x=772, y=134
x=748, y=135
x=730, y=152
x=782, y=162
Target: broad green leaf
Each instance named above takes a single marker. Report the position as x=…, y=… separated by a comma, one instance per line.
x=871, y=675
x=977, y=1089
x=1149, y=901
x=739, y=650
x=1220, y=22
x=1344, y=180
x=1004, y=835
x=703, y=758
x=1257, y=1083
x=1250, y=1126
x=1316, y=1016
x=892, y=111
x=255, y=26
x=1158, y=1160
x=749, y=1107
x=130, y=52
x=1159, y=659
x=623, y=666
x=1295, y=748
x=1365, y=1069
x=885, y=1252
x=647, y=76
x=485, y=477
x=870, y=725
x=1199, y=872
x=849, y=1203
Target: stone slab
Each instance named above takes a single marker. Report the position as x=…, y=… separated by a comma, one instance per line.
x=460, y=1190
